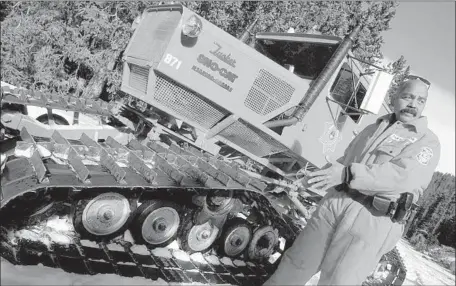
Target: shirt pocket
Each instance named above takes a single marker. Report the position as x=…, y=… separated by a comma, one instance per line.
x=385, y=153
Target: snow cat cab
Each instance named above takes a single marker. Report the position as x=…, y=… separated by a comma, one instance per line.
x=223, y=130
x=226, y=98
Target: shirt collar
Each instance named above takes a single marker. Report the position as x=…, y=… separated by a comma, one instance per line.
x=419, y=124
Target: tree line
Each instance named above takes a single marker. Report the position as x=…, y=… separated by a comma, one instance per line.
x=76, y=47
x=434, y=222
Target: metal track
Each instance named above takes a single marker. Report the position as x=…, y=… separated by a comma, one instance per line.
x=57, y=165
x=24, y=96
x=122, y=258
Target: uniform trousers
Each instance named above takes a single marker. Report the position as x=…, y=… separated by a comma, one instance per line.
x=344, y=239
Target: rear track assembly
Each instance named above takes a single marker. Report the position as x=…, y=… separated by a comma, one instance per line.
x=219, y=209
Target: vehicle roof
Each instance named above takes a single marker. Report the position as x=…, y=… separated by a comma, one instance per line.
x=299, y=37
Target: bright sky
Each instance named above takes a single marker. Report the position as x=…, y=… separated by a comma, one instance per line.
x=424, y=33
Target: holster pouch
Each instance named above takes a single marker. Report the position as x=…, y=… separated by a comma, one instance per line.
x=404, y=206
x=383, y=205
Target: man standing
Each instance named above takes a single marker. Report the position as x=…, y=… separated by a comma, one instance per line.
x=354, y=225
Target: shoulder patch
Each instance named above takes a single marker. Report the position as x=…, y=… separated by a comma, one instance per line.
x=424, y=156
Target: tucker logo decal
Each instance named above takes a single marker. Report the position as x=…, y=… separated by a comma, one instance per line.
x=226, y=58
x=330, y=138
x=212, y=66
x=207, y=62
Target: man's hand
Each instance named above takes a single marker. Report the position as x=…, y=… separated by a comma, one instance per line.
x=329, y=177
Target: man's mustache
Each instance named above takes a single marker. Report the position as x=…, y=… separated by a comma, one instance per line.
x=410, y=110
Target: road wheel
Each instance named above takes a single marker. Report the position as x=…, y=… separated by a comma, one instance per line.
x=263, y=243
x=197, y=237
x=104, y=216
x=156, y=223
x=235, y=238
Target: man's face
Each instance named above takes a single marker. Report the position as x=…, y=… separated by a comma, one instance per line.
x=410, y=100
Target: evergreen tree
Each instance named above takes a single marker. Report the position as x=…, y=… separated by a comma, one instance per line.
x=67, y=47
x=327, y=17
x=400, y=70
x=447, y=232
x=76, y=47
x=437, y=210
x=5, y=9
x=441, y=216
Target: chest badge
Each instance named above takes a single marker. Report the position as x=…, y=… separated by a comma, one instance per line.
x=410, y=140
x=330, y=138
x=394, y=138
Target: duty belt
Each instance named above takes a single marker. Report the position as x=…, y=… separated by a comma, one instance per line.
x=399, y=211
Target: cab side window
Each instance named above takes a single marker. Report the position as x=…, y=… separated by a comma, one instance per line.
x=342, y=91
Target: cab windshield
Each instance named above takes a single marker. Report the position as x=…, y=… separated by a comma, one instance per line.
x=307, y=55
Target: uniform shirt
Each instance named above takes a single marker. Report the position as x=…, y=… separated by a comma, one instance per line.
x=388, y=159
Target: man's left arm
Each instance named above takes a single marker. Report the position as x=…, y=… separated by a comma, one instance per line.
x=411, y=171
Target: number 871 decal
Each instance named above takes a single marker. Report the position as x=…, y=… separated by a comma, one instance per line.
x=172, y=61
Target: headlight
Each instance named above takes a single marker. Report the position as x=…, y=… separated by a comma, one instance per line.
x=192, y=27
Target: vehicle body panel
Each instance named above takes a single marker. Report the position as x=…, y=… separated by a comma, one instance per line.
x=227, y=89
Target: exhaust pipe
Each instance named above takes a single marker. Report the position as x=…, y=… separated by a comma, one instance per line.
x=246, y=35
x=320, y=82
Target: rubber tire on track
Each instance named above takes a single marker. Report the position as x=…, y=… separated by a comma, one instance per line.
x=143, y=211
x=76, y=214
x=230, y=225
x=272, y=250
x=187, y=222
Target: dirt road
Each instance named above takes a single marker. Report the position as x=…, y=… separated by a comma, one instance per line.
x=422, y=270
